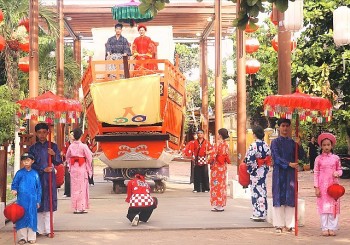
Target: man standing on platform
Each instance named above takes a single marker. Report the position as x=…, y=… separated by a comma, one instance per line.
x=199, y=150
x=117, y=46
x=41, y=152
x=283, y=151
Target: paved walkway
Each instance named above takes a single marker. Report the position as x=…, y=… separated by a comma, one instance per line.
x=182, y=217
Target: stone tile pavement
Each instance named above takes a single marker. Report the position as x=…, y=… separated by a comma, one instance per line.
x=183, y=217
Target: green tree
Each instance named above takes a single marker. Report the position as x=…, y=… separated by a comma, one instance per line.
x=188, y=56
x=47, y=68
x=14, y=11
x=264, y=82
x=7, y=112
x=250, y=9
x=318, y=63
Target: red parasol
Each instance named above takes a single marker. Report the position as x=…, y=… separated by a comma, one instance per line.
x=336, y=191
x=48, y=108
x=14, y=212
x=298, y=106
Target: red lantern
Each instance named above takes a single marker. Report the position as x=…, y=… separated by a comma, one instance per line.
x=252, y=66
x=251, y=27
x=24, y=22
x=2, y=43
x=243, y=175
x=1, y=16
x=24, y=46
x=14, y=212
x=274, y=43
x=251, y=45
x=59, y=175
x=336, y=191
x=23, y=64
x=271, y=18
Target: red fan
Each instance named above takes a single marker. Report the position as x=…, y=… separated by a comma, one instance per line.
x=336, y=191
x=14, y=212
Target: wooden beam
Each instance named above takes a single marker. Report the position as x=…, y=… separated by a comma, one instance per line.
x=33, y=54
x=218, y=69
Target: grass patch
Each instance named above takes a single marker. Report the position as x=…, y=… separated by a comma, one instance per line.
x=9, y=196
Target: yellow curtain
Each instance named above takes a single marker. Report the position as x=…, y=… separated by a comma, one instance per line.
x=133, y=101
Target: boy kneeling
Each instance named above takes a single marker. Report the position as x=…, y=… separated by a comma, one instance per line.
x=140, y=200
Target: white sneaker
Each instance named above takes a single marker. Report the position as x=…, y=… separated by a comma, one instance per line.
x=135, y=221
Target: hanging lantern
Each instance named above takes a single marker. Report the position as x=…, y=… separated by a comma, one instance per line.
x=252, y=66
x=243, y=175
x=1, y=16
x=230, y=70
x=341, y=26
x=336, y=191
x=23, y=64
x=2, y=43
x=24, y=22
x=14, y=212
x=293, y=16
x=271, y=19
x=274, y=43
x=25, y=45
x=251, y=27
x=251, y=45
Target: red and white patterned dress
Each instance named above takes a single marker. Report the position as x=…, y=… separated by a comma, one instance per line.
x=218, y=193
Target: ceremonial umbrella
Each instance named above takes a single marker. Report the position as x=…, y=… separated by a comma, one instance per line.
x=50, y=108
x=129, y=13
x=298, y=106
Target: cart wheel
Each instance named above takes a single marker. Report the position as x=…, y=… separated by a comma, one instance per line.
x=160, y=186
x=119, y=187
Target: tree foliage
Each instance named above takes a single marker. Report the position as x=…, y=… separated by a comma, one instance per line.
x=7, y=112
x=13, y=12
x=321, y=66
x=47, y=68
x=264, y=82
x=250, y=9
x=188, y=56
